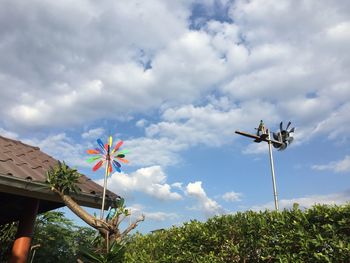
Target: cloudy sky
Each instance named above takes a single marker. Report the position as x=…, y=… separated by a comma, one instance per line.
x=174, y=80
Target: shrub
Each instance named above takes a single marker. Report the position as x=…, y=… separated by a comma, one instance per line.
x=318, y=234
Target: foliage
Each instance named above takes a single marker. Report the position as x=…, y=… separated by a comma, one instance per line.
x=60, y=240
x=63, y=178
x=7, y=235
x=63, y=181
x=115, y=254
x=318, y=234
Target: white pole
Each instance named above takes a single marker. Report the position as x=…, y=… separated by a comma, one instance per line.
x=104, y=190
x=273, y=173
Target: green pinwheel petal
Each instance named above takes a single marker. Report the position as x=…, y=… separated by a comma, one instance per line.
x=123, y=152
x=93, y=158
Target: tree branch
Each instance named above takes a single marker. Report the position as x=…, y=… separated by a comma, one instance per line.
x=131, y=227
x=85, y=216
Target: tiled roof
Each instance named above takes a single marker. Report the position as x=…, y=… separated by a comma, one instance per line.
x=28, y=162
x=21, y=161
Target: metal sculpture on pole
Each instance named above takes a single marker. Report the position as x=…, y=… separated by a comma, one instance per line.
x=280, y=140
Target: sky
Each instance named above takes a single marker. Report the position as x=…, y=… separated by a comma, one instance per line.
x=174, y=80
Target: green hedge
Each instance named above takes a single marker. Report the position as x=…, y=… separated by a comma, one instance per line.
x=318, y=234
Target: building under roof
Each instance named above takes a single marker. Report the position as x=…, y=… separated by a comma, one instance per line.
x=22, y=178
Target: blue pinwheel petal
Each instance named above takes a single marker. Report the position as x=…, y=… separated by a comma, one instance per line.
x=102, y=146
x=117, y=163
x=117, y=166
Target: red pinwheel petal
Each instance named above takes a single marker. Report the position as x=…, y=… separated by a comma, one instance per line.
x=117, y=146
x=109, y=168
x=97, y=166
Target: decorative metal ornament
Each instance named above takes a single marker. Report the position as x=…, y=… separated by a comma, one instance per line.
x=280, y=141
x=283, y=136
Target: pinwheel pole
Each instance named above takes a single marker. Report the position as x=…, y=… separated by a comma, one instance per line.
x=281, y=140
x=105, y=182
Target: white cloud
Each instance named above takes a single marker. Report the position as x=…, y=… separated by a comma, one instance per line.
x=212, y=124
x=232, y=196
x=93, y=133
x=160, y=216
x=308, y=201
x=177, y=185
x=257, y=61
x=153, y=151
x=141, y=123
x=77, y=78
x=149, y=180
x=340, y=166
x=256, y=148
x=138, y=209
x=205, y=204
x=63, y=148
x=8, y=134
x=340, y=32
x=335, y=124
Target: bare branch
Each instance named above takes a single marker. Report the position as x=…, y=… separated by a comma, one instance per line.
x=132, y=226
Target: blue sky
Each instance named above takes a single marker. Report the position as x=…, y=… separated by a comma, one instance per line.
x=174, y=80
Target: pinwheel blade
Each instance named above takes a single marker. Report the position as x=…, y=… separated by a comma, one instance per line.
x=110, y=141
x=122, y=160
x=120, y=155
x=109, y=170
x=290, y=140
x=93, y=151
x=289, y=123
x=93, y=158
x=97, y=166
x=117, y=146
x=116, y=164
x=283, y=147
x=100, y=143
x=124, y=151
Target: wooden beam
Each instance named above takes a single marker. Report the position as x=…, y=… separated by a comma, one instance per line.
x=258, y=138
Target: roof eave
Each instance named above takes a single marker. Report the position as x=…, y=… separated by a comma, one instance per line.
x=38, y=190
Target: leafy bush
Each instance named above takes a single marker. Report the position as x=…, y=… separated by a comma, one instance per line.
x=63, y=178
x=319, y=234
x=59, y=238
x=7, y=235
x=114, y=254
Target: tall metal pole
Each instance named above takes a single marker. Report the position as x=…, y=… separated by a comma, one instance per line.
x=272, y=172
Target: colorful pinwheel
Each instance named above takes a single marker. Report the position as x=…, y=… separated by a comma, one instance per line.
x=104, y=154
